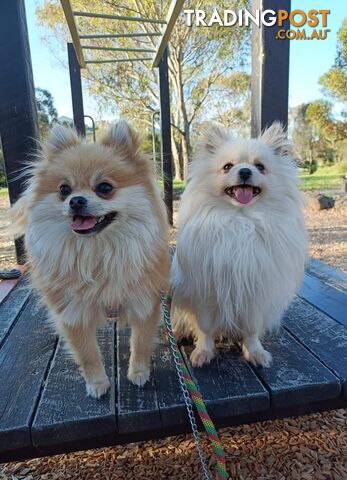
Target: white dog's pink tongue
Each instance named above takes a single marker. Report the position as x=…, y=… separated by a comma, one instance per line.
x=243, y=194
x=83, y=223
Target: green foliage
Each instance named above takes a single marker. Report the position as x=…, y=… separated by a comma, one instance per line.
x=335, y=80
x=47, y=115
x=303, y=137
x=3, y=182
x=339, y=168
x=46, y=111
x=319, y=114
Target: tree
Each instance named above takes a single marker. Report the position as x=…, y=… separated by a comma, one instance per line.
x=46, y=111
x=47, y=115
x=199, y=58
x=303, y=137
x=335, y=80
x=230, y=102
x=333, y=131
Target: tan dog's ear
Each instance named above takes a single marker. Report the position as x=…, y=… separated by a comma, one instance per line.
x=276, y=137
x=122, y=137
x=213, y=137
x=59, y=139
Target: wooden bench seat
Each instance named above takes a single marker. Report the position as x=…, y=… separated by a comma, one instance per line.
x=44, y=408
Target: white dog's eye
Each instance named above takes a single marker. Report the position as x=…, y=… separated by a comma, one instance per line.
x=227, y=167
x=260, y=167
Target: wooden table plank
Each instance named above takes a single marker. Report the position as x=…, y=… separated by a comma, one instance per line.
x=24, y=360
x=322, y=335
x=11, y=307
x=137, y=407
x=331, y=301
x=170, y=398
x=327, y=274
x=228, y=384
x=66, y=415
x=296, y=377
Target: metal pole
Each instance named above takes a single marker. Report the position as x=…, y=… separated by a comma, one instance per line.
x=76, y=90
x=119, y=17
x=18, y=115
x=93, y=125
x=117, y=49
x=119, y=60
x=166, y=132
x=270, y=71
x=120, y=35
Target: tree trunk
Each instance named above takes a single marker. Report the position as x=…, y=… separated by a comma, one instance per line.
x=185, y=154
x=186, y=126
x=176, y=159
x=181, y=116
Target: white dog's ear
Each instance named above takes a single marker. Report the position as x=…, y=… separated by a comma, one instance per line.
x=122, y=137
x=276, y=137
x=213, y=137
x=59, y=139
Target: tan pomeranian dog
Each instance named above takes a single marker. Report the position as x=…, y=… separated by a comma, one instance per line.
x=96, y=236
x=242, y=243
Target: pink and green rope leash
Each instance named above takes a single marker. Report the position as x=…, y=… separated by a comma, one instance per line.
x=187, y=384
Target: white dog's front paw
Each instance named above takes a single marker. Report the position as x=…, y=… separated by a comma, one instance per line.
x=200, y=357
x=97, y=387
x=138, y=375
x=257, y=356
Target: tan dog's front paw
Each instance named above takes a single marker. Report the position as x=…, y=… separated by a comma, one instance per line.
x=138, y=375
x=97, y=387
x=200, y=357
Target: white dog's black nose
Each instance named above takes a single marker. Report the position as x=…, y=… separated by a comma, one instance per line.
x=245, y=174
x=77, y=203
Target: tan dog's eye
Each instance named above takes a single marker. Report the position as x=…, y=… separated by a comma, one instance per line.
x=260, y=167
x=227, y=167
x=103, y=189
x=65, y=191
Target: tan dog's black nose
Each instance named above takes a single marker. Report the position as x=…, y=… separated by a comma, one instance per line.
x=77, y=204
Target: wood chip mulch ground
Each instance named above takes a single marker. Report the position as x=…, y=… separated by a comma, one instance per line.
x=310, y=447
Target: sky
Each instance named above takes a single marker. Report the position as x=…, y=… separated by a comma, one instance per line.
x=308, y=60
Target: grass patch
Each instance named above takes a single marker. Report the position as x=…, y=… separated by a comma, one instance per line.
x=3, y=191
x=318, y=181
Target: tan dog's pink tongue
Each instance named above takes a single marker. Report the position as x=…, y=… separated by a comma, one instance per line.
x=243, y=194
x=83, y=223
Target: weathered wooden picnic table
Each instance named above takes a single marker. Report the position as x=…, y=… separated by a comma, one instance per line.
x=44, y=408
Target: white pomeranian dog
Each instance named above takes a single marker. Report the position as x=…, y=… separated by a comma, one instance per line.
x=242, y=243
x=96, y=236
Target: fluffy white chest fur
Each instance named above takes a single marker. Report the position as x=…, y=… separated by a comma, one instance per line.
x=245, y=266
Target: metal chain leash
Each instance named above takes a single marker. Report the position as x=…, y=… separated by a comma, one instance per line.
x=186, y=396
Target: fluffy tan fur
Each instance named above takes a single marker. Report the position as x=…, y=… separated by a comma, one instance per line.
x=126, y=264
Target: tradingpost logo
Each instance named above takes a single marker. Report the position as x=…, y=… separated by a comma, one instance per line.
x=304, y=25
